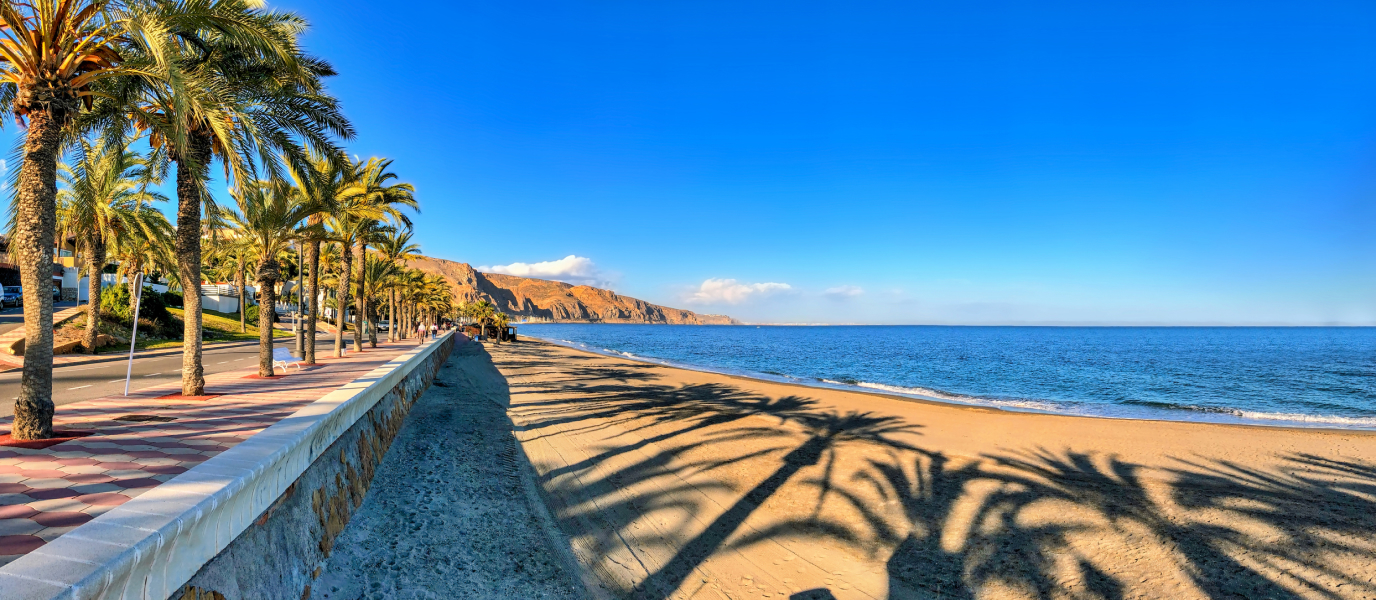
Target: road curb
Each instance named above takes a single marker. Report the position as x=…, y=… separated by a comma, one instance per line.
x=125, y=356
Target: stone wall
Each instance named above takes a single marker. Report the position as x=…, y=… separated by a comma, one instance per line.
x=281, y=553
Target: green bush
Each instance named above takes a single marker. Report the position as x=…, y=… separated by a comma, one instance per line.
x=115, y=306
x=172, y=299
x=251, y=315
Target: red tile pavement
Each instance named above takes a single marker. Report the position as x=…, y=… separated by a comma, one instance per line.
x=44, y=492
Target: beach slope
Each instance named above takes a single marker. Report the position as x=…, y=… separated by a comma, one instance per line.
x=675, y=483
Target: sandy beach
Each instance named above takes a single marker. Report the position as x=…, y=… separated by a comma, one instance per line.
x=682, y=484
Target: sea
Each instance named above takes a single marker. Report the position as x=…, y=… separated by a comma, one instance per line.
x=1281, y=376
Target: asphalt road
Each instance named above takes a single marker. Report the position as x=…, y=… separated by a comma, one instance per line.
x=14, y=316
x=92, y=380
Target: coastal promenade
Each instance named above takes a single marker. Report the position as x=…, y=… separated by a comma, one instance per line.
x=670, y=483
x=128, y=445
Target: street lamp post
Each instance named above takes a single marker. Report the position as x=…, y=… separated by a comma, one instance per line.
x=297, y=325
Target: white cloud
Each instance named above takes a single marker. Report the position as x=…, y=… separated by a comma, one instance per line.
x=844, y=291
x=729, y=291
x=573, y=269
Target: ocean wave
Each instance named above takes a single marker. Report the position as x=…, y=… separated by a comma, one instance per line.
x=928, y=393
x=1309, y=419
x=1256, y=415
x=1183, y=407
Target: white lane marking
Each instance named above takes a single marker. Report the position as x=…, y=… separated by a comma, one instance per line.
x=152, y=374
x=222, y=362
x=114, y=381
x=79, y=387
x=88, y=368
x=236, y=360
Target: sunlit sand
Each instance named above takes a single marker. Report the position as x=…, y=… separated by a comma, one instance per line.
x=674, y=483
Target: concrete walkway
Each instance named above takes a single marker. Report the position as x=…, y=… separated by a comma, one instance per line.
x=448, y=514
x=46, y=492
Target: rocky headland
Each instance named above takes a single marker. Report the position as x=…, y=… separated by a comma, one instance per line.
x=556, y=300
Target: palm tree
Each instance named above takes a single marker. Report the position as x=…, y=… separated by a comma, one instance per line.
x=396, y=248
x=379, y=275
x=374, y=186
x=322, y=181
x=409, y=284
x=233, y=256
x=146, y=249
x=256, y=95
x=103, y=199
x=482, y=312
x=343, y=230
x=499, y=322
x=270, y=217
x=53, y=56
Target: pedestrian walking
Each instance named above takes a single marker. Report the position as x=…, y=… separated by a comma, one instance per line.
x=420, y=334
x=433, y=331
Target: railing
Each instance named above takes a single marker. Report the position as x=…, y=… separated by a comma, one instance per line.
x=219, y=289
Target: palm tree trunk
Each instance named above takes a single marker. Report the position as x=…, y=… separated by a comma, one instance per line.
x=391, y=315
x=342, y=301
x=313, y=288
x=361, y=310
x=243, y=300
x=267, y=309
x=35, y=201
x=190, y=172
x=95, y=263
x=372, y=332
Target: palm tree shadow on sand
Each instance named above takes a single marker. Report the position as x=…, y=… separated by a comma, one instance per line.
x=1304, y=507
x=942, y=526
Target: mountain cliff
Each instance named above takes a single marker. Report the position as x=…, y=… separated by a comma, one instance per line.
x=556, y=300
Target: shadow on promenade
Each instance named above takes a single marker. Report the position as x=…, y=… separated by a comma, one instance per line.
x=1041, y=523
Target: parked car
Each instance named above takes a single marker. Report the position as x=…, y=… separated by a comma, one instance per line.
x=12, y=295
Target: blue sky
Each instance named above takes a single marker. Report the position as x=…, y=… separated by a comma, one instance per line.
x=992, y=162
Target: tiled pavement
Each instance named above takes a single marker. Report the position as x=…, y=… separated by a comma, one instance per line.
x=47, y=492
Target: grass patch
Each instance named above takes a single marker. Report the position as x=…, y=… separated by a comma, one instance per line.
x=215, y=327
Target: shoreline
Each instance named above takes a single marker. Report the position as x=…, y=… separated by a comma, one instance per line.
x=1149, y=413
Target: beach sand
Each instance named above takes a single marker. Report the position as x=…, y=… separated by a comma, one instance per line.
x=675, y=483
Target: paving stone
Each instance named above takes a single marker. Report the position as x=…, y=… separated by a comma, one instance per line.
x=94, y=488
x=73, y=461
x=52, y=493
x=80, y=469
x=49, y=534
x=47, y=484
x=141, y=482
x=19, y=544
x=16, y=511
x=90, y=478
x=60, y=519
x=43, y=473
x=118, y=466
x=19, y=527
